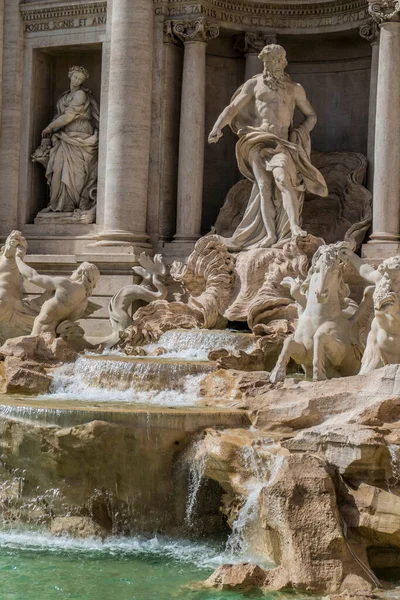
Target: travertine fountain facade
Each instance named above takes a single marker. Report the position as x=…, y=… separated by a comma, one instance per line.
x=134, y=133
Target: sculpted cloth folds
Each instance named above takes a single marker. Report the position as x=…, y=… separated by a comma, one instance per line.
x=293, y=157
x=72, y=168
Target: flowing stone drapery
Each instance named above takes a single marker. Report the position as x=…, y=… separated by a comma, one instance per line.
x=194, y=35
x=129, y=124
x=370, y=32
x=386, y=210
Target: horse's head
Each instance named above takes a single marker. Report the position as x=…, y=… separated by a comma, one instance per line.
x=326, y=275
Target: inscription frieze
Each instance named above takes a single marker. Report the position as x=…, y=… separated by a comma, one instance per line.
x=282, y=16
x=75, y=16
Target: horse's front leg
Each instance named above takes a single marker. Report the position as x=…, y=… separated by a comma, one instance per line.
x=291, y=349
x=319, y=370
x=326, y=347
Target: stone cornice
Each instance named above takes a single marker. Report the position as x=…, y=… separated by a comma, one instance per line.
x=65, y=10
x=282, y=15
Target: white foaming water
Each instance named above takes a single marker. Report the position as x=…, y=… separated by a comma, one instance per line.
x=145, y=382
x=395, y=465
x=196, y=344
x=205, y=556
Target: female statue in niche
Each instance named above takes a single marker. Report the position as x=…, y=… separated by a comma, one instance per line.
x=69, y=152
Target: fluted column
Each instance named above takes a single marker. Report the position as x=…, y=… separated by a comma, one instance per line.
x=128, y=124
x=386, y=196
x=251, y=44
x=370, y=32
x=194, y=35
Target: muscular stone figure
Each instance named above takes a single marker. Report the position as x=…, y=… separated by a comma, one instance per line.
x=70, y=298
x=17, y=314
x=383, y=342
x=271, y=153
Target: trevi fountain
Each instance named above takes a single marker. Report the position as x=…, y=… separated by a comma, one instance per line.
x=200, y=299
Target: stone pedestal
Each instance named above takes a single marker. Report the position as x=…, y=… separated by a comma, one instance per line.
x=194, y=34
x=128, y=124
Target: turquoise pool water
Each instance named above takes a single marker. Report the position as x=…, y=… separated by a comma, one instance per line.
x=35, y=566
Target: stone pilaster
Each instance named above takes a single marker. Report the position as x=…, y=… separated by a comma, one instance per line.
x=386, y=195
x=251, y=43
x=194, y=34
x=128, y=124
x=370, y=32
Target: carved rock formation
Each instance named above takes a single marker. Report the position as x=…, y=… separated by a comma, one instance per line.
x=324, y=462
x=78, y=527
x=23, y=377
x=207, y=281
x=25, y=360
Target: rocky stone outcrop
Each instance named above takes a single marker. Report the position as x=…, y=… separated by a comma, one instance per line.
x=23, y=377
x=242, y=578
x=315, y=487
x=126, y=474
x=26, y=360
x=79, y=527
x=41, y=348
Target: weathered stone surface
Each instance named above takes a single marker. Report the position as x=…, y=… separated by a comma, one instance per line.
x=42, y=348
x=23, y=377
x=233, y=387
x=379, y=512
x=79, y=527
x=95, y=468
x=242, y=578
x=298, y=524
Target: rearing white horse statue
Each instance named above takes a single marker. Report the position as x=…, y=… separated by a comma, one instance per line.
x=330, y=336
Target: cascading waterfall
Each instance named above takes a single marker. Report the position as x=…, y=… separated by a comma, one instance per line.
x=262, y=474
x=196, y=474
x=196, y=344
x=162, y=382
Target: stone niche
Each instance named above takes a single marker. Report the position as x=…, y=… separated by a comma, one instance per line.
x=334, y=68
x=49, y=79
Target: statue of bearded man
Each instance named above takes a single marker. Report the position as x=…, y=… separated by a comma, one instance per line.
x=271, y=153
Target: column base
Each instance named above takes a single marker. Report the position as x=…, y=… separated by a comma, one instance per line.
x=120, y=238
x=378, y=251
x=185, y=238
x=382, y=237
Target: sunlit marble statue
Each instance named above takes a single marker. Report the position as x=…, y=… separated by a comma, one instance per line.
x=69, y=296
x=69, y=152
x=271, y=153
x=17, y=313
x=383, y=342
x=330, y=335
